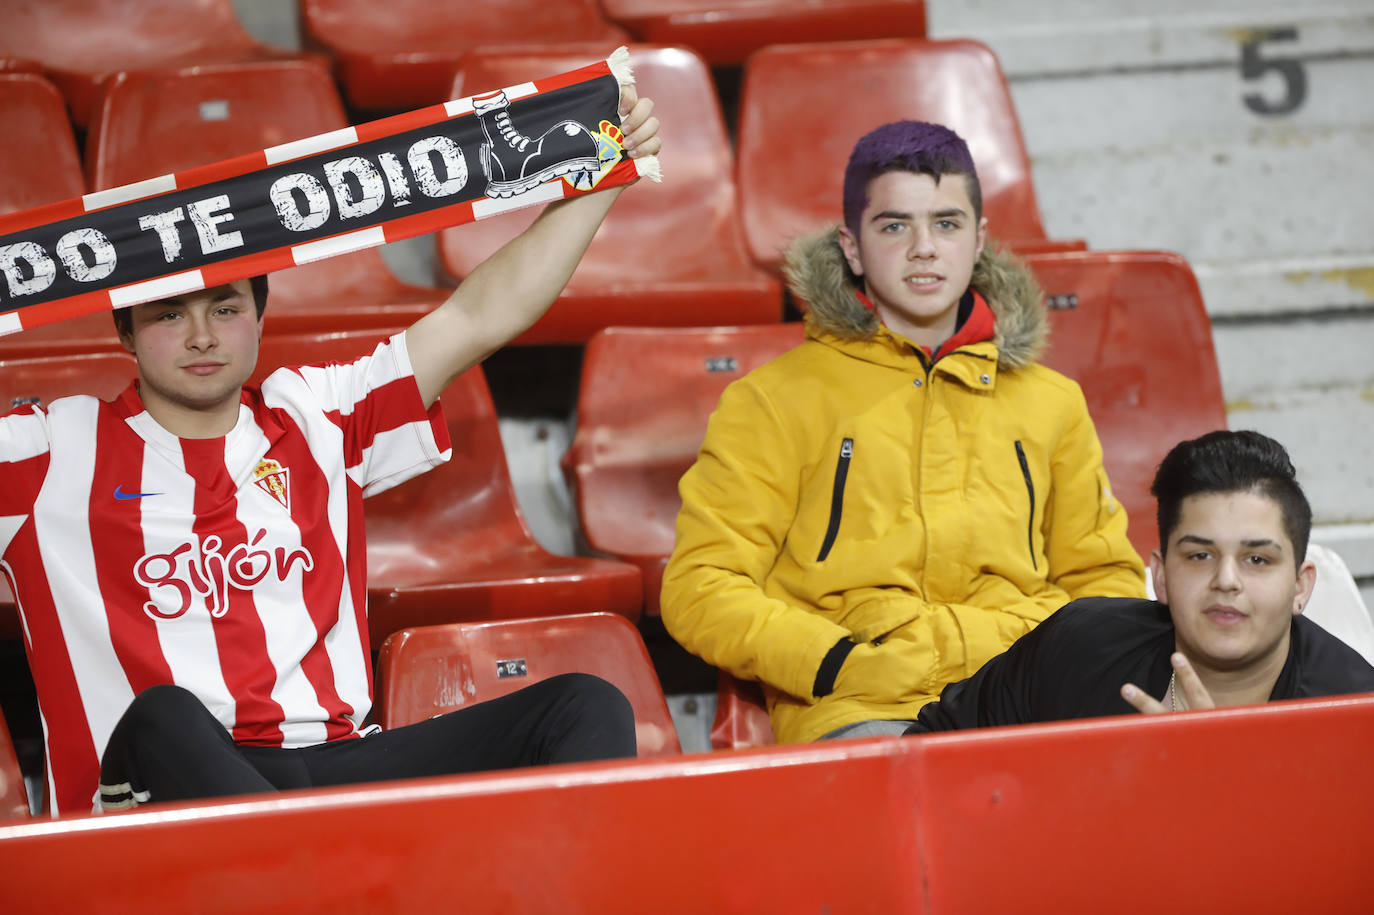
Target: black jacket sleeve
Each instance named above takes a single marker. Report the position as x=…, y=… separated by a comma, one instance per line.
x=1073, y=665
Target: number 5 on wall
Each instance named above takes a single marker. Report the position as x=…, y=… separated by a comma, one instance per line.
x=1253, y=66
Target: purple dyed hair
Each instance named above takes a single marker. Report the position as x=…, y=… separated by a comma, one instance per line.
x=906, y=146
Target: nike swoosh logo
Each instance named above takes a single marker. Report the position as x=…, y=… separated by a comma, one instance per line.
x=120, y=494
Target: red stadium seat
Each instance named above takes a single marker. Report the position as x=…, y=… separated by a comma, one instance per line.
x=14, y=799
x=38, y=159
x=403, y=54
x=802, y=108
x=44, y=379
x=451, y=545
x=1131, y=328
x=668, y=254
x=19, y=65
x=728, y=31
x=39, y=164
x=741, y=716
x=645, y=396
x=80, y=43
x=158, y=122
x=430, y=670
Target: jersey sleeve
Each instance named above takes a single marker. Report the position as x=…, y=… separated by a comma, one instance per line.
x=24, y=454
x=389, y=436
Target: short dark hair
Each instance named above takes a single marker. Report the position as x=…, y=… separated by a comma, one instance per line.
x=124, y=320
x=906, y=146
x=1224, y=461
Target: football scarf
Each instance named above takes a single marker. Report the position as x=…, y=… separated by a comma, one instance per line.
x=315, y=198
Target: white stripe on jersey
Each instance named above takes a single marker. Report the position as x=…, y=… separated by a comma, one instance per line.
x=346, y=386
x=23, y=436
x=9, y=526
x=286, y=622
x=66, y=493
x=188, y=640
x=342, y=643
x=396, y=464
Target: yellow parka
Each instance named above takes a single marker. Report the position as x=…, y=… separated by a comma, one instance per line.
x=932, y=515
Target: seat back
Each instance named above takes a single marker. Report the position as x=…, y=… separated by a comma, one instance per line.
x=429, y=670
x=46, y=378
x=14, y=798
x=81, y=42
x=419, y=27
x=728, y=31
x=109, y=34
x=422, y=25
x=159, y=122
x=39, y=164
x=645, y=397
x=638, y=255
x=403, y=54
x=156, y=122
x=1132, y=330
x=700, y=162
x=803, y=107
x=38, y=159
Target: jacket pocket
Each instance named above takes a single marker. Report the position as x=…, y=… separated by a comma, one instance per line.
x=832, y=529
x=1030, y=493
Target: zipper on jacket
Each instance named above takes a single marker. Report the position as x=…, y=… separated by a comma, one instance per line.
x=1030, y=491
x=837, y=498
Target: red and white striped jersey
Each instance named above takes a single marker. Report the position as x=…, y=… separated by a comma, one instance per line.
x=234, y=567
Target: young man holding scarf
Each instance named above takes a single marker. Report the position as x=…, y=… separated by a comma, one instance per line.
x=188, y=558
x=881, y=510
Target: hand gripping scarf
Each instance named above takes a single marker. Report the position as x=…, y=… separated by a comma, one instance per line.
x=314, y=198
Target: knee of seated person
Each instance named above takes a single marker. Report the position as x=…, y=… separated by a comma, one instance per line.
x=161, y=706
x=591, y=691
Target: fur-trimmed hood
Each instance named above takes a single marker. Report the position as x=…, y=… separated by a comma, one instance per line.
x=819, y=277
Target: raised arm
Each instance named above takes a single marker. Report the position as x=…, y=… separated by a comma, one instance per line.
x=510, y=290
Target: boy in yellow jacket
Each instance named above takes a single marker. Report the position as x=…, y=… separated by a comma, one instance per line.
x=879, y=511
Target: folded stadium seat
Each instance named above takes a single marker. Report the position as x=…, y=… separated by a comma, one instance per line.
x=403, y=54
x=429, y=670
x=39, y=164
x=802, y=108
x=1131, y=328
x=43, y=379
x=728, y=31
x=80, y=43
x=14, y=798
x=642, y=407
x=451, y=545
x=158, y=122
x=668, y=254
x=741, y=716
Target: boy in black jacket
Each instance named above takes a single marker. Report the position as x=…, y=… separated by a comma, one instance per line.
x=1232, y=581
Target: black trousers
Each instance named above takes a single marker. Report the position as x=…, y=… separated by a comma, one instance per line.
x=168, y=747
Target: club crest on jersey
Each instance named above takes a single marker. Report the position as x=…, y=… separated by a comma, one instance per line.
x=275, y=480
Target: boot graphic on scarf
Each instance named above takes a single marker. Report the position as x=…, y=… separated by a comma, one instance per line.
x=514, y=163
